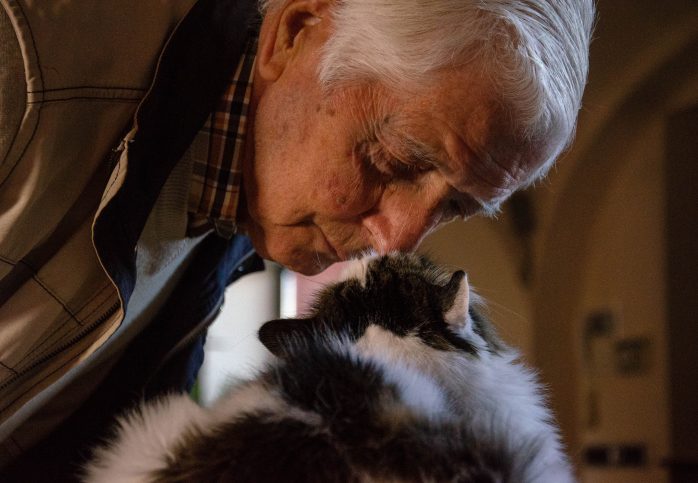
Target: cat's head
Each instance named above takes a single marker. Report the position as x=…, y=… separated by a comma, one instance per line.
x=405, y=295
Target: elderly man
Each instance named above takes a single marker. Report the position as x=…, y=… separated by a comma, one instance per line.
x=149, y=149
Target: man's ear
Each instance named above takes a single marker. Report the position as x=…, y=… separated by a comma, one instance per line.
x=279, y=335
x=283, y=33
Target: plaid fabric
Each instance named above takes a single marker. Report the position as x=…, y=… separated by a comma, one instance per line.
x=215, y=184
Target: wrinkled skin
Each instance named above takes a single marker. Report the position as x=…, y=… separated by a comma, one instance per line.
x=363, y=166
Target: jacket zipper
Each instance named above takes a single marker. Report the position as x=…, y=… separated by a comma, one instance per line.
x=134, y=128
x=74, y=340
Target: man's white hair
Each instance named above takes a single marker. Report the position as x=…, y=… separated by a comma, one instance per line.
x=533, y=52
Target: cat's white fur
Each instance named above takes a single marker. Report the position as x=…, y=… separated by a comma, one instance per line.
x=492, y=393
x=358, y=268
x=499, y=397
x=146, y=437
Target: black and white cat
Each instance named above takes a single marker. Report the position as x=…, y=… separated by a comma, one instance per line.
x=394, y=377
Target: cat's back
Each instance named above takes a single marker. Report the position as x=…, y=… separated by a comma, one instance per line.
x=326, y=414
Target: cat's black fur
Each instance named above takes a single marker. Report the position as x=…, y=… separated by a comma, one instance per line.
x=377, y=384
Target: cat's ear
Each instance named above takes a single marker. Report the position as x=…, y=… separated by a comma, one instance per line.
x=456, y=300
x=278, y=335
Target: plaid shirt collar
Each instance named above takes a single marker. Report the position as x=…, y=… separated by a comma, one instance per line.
x=216, y=179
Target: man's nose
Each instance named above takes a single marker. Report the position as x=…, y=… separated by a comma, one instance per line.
x=399, y=229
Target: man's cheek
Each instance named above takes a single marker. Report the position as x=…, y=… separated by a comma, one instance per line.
x=337, y=194
x=351, y=195
x=288, y=242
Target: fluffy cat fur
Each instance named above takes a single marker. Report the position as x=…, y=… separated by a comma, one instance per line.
x=394, y=377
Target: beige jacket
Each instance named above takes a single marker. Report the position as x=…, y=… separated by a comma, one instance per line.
x=69, y=83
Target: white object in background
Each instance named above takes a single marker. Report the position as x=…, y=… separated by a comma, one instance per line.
x=289, y=294
x=233, y=351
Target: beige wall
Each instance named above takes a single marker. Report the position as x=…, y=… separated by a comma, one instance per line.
x=630, y=93
x=624, y=272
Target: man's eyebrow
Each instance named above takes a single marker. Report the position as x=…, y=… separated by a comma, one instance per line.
x=419, y=151
x=423, y=152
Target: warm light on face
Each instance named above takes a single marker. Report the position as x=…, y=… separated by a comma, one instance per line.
x=364, y=166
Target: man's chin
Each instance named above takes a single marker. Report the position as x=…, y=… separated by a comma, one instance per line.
x=303, y=263
x=298, y=259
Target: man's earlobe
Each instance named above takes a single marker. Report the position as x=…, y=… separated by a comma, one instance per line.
x=282, y=35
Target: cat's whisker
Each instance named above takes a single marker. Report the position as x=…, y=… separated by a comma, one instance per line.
x=312, y=280
x=501, y=309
